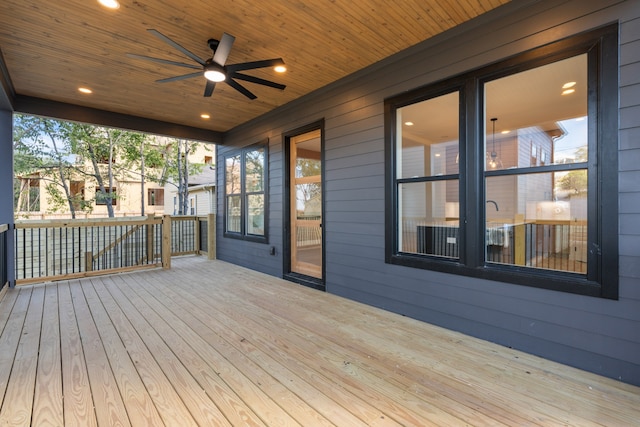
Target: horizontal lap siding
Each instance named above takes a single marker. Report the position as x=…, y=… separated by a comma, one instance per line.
x=629, y=178
x=599, y=335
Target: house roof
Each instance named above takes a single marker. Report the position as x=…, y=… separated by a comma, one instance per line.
x=50, y=49
x=206, y=177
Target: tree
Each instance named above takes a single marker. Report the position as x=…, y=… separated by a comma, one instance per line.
x=109, y=151
x=176, y=168
x=575, y=182
x=306, y=168
x=38, y=147
x=60, y=152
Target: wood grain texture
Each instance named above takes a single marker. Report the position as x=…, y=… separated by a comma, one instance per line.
x=47, y=402
x=52, y=49
x=21, y=389
x=210, y=343
x=78, y=400
x=109, y=406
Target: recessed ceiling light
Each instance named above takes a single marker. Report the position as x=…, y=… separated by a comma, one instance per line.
x=438, y=154
x=408, y=123
x=504, y=132
x=110, y=4
x=205, y=116
x=568, y=85
x=280, y=69
x=568, y=91
x=84, y=90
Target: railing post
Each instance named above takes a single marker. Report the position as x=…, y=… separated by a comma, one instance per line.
x=211, y=236
x=88, y=261
x=196, y=234
x=150, y=255
x=166, y=242
x=519, y=240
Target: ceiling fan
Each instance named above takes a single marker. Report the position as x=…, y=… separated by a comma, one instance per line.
x=214, y=69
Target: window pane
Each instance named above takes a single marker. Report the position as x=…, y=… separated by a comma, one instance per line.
x=254, y=171
x=537, y=117
x=538, y=220
x=233, y=214
x=305, y=166
x=428, y=137
x=428, y=213
x=255, y=215
x=232, y=175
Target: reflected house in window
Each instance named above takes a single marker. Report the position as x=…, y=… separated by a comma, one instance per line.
x=535, y=146
x=245, y=176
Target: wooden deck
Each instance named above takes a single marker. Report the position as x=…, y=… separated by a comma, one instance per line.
x=208, y=343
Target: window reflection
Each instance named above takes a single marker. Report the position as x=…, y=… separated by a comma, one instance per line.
x=428, y=134
x=232, y=178
x=537, y=219
x=428, y=155
x=254, y=170
x=245, y=193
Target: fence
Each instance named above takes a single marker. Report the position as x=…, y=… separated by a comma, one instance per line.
x=55, y=250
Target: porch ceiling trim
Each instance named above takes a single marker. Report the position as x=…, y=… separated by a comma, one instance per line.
x=78, y=113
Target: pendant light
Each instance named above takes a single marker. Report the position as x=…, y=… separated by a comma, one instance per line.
x=493, y=161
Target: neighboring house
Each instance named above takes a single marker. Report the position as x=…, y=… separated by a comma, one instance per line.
x=201, y=187
x=37, y=202
x=127, y=201
x=432, y=209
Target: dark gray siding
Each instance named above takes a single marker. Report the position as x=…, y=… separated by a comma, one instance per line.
x=599, y=335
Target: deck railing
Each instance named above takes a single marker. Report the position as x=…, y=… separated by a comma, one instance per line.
x=554, y=245
x=56, y=250
x=4, y=270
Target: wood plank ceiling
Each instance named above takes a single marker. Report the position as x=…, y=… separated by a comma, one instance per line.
x=51, y=48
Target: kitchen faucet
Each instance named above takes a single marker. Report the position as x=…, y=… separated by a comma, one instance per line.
x=494, y=203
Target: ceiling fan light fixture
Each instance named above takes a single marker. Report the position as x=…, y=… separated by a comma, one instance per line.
x=280, y=68
x=110, y=4
x=214, y=72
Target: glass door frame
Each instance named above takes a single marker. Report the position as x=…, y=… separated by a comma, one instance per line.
x=313, y=282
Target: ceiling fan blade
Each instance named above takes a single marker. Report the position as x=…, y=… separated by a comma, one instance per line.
x=224, y=48
x=182, y=77
x=237, y=86
x=255, y=64
x=163, y=61
x=257, y=80
x=208, y=89
x=175, y=45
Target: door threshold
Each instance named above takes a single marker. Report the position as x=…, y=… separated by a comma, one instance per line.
x=308, y=281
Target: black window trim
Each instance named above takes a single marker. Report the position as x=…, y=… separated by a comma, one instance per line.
x=243, y=235
x=602, y=277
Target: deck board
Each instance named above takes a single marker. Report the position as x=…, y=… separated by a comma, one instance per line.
x=78, y=406
x=47, y=402
x=109, y=407
x=128, y=372
x=209, y=343
x=20, y=390
x=184, y=388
